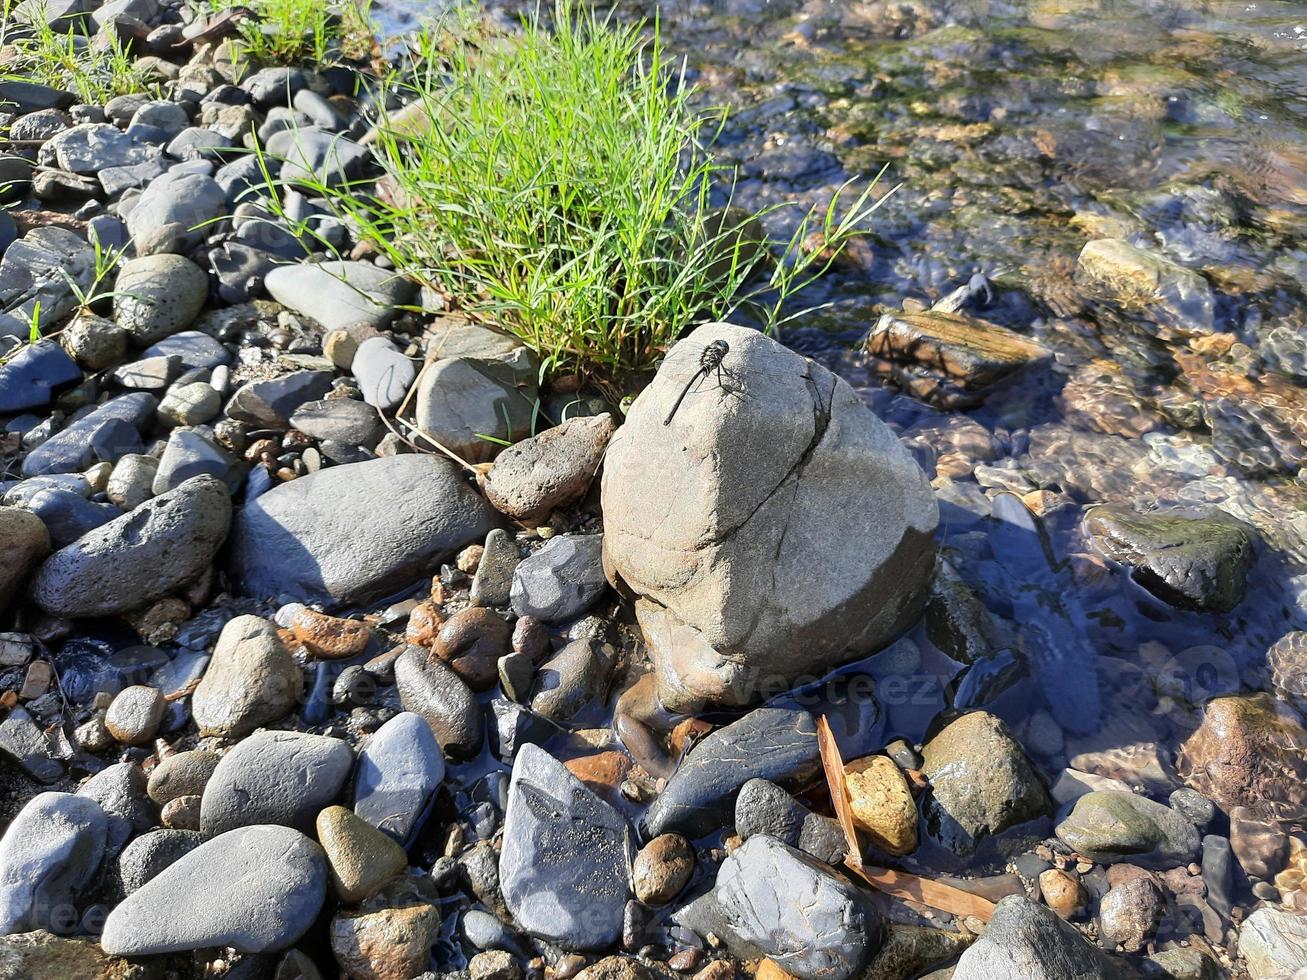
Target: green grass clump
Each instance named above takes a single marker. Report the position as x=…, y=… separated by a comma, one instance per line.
x=557, y=182
x=309, y=31
x=57, y=56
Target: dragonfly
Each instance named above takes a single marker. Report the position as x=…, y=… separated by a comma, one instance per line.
x=710, y=361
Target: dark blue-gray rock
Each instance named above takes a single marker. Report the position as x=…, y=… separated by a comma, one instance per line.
x=49, y=856
x=561, y=580
x=196, y=350
x=352, y=533
x=136, y=559
x=147, y=374
x=120, y=791
x=274, y=86
x=795, y=481
x=1196, y=808
x=23, y=744
x=772, y=900
x=981, y=783
x=1027, y=941
x=1218, y=873
x=109, y=432
x=158, y=295
x=312, y=154
x=341, y=294
x=190, y=453
x=1190, y=561
x=383, y=372
x=762, y=807
x=39, y=271
x=30, y=96
x=493, y=583
x=573, y=679
x=1112, y=825
x=240, y=177
x=473, y=406
x=68, y=515
x=564, y=868
x=776, y=744
x=173, y=213
x=344, y=420
x=255, y=889
x=432, y=690
x=270, y=404
x=399, y=770
x=281, y=778
x=513, y=725
x=29, y=378
x=91, y=147
x=148, y=855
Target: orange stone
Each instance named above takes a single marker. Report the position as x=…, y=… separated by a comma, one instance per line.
x=328, y=637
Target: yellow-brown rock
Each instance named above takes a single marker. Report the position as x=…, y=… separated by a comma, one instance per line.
x=882, y=803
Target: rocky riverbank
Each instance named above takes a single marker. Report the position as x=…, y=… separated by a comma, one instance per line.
x=287, y=692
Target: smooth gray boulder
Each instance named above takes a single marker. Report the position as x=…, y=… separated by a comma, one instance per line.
x=772, y=900
x=256, y=889
x=356, y=532
x=174, y=211
x=564, y=869
x=466, y=403
x=1027, y=941
x=790, y=531
x=138, y=558
x=340, y=294
x=49, y=856
x=777, y=744
x=158, y=295
x=252, y=680
x=399, y=770
x=561, y=580
x=281, y=778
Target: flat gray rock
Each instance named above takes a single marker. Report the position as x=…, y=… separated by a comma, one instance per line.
x=772, y=900
x=256, y=889
x=356, y=532
x=346, y=420
x=466, y=404
x=281, y=778
x=109, y=432
x=138, y=558
x=565, y=864
x=776, y=744
x=340, y=294
x=383, y=372
x=561, y=580
x=1027, y=941
x=49, y=856
x=1113, y=826
x=271, y=403
x=399, y=770
x=174, y=211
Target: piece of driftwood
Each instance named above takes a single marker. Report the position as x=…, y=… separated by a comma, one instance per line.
x=899, y=884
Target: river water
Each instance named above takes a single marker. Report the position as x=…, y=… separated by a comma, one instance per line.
x=1015, y=134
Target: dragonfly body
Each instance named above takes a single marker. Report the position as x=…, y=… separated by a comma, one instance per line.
x=709, y=361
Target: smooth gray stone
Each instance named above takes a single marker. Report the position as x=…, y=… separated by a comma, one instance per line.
x=431, y=689
x=68, y=515
x=564, y=865
x=174, y=212
x=49, y=857
x=158, y=295
x=561, y=580
x=255, y=889
x=138, y=558
x=776, y=744
x=772, y=900
x=383, y=372
x=41, y=268
x=1027, y=941
x=273, y=777
x=109, y=432
x=190, y=453
x=23, y=744
x=30, y=377
x=270, y=404
x=314, y=154
x=399, y=770
x=358, y=532
x=1114, y=825
x=196, y=350
x=340, y=294
x=344, y=420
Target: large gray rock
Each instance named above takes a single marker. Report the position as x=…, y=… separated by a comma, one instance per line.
x=256, y=889
x=173, y=213
x=281, y=778
x=981, y=783
x=340, y=294
x=251, y=681
x=49, y=856
x=565, y=864
x=132, y=561
x=356, y=532
x=466, y=404
x=1027, y=941
x=399, y=770
x=157, y=296
x=776, y=744
x=772, y=900
x=790, y=530
x=1274, y=944
x=1113, y=825
x=41, y=268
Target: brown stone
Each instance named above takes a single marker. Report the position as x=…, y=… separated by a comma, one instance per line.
x=37, y=680
x=390, y=944
x=662, y=868
x=471, y=641
x=882, y=803
x=1249, y=752
x=949, y=359
x=182, y=774
x=602, y=772
x=181, y=813
x=424, y=623
x=328, y=637
x=361, y=858
x=1062, y=892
